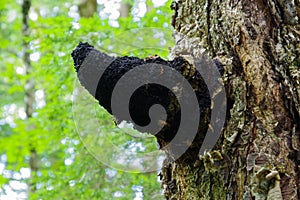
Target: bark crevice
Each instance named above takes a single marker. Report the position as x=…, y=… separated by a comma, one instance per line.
x=258, y=44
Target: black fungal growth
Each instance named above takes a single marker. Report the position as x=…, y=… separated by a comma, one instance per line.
x=143, y=98
x=80, y=53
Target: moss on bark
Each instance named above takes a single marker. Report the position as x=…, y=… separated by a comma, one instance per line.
x=257, y=42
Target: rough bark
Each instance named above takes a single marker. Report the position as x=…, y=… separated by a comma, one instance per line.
x=258, y=44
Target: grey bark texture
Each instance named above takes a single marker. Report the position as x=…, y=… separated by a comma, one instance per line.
x=258, y=153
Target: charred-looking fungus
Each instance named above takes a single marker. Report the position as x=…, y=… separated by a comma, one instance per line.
x=100, y=73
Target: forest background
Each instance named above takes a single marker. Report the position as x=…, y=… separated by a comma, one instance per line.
x=41, y=153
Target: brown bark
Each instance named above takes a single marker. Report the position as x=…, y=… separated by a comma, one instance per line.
x=257, y=155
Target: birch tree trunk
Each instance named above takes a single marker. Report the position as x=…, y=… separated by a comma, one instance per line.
x=258, y=153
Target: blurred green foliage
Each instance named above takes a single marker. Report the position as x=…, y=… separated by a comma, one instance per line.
x=54, y=33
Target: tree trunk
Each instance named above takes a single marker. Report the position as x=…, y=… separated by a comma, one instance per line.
x=124, y=9
x=29, y=90
x=87, y=8
x=258, y=44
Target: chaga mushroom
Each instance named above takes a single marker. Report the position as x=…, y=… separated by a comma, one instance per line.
x=100, y=74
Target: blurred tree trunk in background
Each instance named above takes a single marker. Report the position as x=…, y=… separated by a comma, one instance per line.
x=149, y=5
x=87, y=8
x=29, y=99
x=125, y=9
x=258, y=153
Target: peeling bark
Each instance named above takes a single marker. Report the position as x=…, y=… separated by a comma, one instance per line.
x=258, y=44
